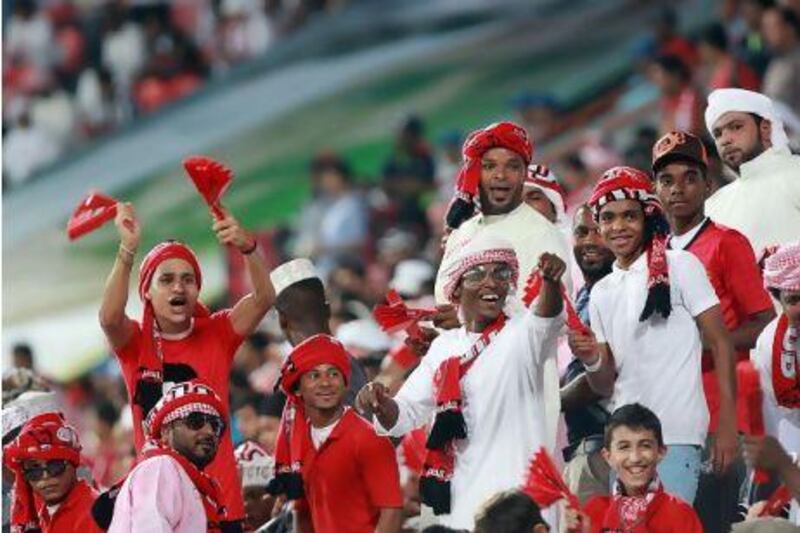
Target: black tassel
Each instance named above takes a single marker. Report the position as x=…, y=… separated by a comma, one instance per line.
x=448, y=425
x=147, y=394
x=103, y=507
x=435, y=493
x=460, y=211
x=658, y=301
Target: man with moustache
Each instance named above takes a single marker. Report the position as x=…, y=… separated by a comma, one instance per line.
x=586, y=472
x=764, y=202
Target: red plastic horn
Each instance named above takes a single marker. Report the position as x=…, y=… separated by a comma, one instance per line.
x=94, y=210
x=211, y=179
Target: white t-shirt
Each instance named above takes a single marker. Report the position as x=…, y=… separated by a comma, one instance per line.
x=781, y=422
x=503, y=408
x=320, y=435
x=657, y=361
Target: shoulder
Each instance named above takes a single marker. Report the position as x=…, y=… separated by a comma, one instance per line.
x=764, y=341
x=728, y=236
x=680, y=509
x=681, y=261
x=442, y=346
x=157, y=466
x=596, y=508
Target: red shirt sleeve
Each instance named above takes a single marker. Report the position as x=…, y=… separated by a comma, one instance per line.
x=596, y=509
x=743, y=279
x=379, y=471
x=223, y=327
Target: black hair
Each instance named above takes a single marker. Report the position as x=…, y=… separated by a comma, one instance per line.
x=674, y=66
x=249, y=399
x=634, y=416
x=715, y=36
x=272, y=405
x=511, y=511
x=107, y=412
x=23, y=349
x=304, y=301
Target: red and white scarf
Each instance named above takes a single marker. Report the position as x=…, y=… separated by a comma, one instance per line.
x=785, y=381
x=449, y=423
x=632, y=513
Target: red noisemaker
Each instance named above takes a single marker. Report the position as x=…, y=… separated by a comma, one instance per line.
x=94, y=210
x=544, y=483
x=395, y=315
x=211, y=179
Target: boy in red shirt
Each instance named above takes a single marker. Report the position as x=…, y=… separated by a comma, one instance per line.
x=177, y=339
x=680, y=168
x=633, y=448
x=327, y=456
x=48, y=496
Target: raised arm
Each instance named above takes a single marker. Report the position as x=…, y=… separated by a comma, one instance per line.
x=550, y=303
x=116, y=325
x=248, y=311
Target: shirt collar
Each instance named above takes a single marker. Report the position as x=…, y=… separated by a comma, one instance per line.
x=490, y=219
x=638, y=266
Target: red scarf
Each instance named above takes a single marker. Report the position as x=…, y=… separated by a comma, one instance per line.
x=44, y=437
x=532, y=289
x=631, y=514
x=499, y=135
x=785, y=381
x=449, y=424
x=626, y=183
x=150, y=376
x=206, y=485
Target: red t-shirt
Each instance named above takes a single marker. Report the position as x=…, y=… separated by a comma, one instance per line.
x=74, y=513
x=665, y=514
x=350, y=478
x=206, y=353
x=731, y=267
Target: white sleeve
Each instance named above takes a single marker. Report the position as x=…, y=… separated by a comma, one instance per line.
x=156, y=502
x=415, y=399
x=695, y=287
x=596, y=318
x=543, y=334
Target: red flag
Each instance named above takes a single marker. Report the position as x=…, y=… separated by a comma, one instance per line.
x=532, y=289
x=211, y=179
x=775, y=504
x=395, y=315
x=545, y=485
x=750, y=387
x=93, y=211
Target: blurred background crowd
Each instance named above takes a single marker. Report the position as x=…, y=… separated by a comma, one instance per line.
x=75, y=72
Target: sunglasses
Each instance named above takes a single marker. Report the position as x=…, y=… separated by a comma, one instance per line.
x=54, y=468
x=197, y=421
x=475, y=276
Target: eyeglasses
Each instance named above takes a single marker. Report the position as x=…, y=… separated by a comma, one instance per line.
x=475, y=276
x=197, y=421
x=54, y=468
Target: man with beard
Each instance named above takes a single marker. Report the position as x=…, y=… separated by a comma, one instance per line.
x=680, y=167
x=496, y=160
x=178, y=339
x=168, y=491
x=482, y=384
x=764, y=202
x=586, y=473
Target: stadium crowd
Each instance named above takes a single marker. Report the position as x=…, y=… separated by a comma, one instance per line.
x=632, y=310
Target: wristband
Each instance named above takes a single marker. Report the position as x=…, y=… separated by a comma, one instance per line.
x=252, y=248
x=127, y=250
x=594, y=367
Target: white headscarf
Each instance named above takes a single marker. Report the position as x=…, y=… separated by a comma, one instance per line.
x=723, y=101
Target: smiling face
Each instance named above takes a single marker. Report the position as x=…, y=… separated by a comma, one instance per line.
x=593, y=256
x=174, y=294
x=323, y=388
x=622, y=228
x=739, y=138
x=502, y=174
x=198, y=445
x=682, y=189
x=54, y=488
x=482, y=293
x=634, y=454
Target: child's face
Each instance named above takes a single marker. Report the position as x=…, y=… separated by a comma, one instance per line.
x=634, y=455
x=790, y=301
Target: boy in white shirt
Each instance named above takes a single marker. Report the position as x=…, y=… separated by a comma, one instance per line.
x=647, y=318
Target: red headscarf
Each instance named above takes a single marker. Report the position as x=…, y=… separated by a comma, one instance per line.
x=626, y=183
x=498, y=135
x=44, y=437
x=150, y=374
x=293, y=433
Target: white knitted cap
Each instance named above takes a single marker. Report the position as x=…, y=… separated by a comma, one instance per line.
x=291, y=272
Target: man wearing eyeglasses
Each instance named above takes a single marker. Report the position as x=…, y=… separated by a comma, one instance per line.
x=482, y=384
x=167, y=491
x=48, y=496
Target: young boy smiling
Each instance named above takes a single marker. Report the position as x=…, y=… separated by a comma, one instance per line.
x=634, y=446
